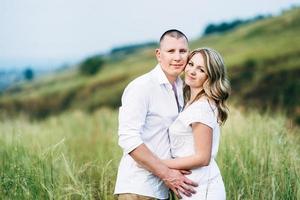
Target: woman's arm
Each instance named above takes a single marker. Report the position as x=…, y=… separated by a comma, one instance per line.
x=203, y=145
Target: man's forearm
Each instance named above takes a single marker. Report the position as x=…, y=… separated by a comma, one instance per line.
x=172, y=178
x=143, y=156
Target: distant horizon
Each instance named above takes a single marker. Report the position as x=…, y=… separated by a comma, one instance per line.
x=39, y=49
x=43, y=64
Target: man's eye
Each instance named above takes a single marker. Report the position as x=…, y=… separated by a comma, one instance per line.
x=190, y=64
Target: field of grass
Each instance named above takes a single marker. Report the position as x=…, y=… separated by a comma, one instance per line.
x=75, y=155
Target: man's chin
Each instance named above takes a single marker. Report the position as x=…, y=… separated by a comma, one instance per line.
x=178, y=72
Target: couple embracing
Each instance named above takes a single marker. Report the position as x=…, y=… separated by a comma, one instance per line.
x=169, y=130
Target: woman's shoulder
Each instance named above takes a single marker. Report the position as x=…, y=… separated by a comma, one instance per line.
x=204, y=103
x=201, y=110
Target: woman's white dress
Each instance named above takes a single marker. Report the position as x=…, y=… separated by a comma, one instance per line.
x=209, y=178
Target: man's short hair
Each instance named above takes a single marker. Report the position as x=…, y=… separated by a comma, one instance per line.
x=173, y=33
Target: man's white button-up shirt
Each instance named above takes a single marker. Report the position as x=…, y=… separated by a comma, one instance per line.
x=148, y=108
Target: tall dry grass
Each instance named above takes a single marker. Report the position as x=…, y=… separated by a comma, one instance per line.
x=75, y=156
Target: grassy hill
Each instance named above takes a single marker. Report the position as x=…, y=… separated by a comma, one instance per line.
x=262, y=59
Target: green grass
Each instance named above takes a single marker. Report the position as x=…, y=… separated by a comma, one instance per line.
x=75, y=156
x=259, y=157
x=72, y=156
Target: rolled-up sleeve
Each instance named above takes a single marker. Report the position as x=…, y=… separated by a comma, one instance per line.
x=132, y=115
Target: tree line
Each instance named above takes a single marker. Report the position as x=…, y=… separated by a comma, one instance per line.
x=226, y=26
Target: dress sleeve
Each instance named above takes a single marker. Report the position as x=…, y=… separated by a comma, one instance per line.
x=200, y=111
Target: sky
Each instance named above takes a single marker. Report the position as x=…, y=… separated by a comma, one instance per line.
x=51, y=33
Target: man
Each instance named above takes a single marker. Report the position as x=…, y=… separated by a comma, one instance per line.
x=150, y=104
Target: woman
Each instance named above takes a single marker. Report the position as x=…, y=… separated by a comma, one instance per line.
x=195, y=134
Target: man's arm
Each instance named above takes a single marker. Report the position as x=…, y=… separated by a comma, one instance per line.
x=132, y=117
x=171, y=177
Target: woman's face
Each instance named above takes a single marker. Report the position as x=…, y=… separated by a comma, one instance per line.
x=195, y=72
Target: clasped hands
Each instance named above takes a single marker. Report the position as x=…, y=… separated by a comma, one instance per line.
x=179, y=184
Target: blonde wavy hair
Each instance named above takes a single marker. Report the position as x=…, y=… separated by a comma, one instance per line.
x=216, y=87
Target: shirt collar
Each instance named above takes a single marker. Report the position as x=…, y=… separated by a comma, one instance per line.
x=162, y=78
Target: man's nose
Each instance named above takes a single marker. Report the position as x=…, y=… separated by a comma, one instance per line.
x=177, y=56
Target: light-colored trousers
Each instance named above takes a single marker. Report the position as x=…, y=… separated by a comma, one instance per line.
x=129, y=196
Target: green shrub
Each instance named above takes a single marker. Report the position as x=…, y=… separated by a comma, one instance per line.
x=28, y=74
x=91, y=65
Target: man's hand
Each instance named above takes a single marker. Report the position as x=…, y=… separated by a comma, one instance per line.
x=185, y=172
x=178, y=183
x=174, y=179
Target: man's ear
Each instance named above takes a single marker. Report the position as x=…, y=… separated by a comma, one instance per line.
x=157, y=53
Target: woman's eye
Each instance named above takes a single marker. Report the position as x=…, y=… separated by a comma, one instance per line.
x=190, y=64
x=200, y=69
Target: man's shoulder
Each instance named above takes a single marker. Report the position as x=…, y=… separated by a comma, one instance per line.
x=143, y=82
x=139, y=88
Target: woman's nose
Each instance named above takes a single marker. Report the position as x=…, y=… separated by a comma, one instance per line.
x=192, y=71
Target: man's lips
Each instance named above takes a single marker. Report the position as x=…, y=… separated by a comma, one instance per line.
x=177, y=65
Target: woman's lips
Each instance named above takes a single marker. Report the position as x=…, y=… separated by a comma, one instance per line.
x=189, y=77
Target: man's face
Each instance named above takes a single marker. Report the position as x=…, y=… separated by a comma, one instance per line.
x=172, y=56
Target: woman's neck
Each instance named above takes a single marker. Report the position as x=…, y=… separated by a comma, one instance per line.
x=194, y=93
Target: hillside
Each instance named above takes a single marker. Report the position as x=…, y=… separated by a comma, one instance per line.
x=262, y=59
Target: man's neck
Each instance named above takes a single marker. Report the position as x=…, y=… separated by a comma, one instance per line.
x=171, y=79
